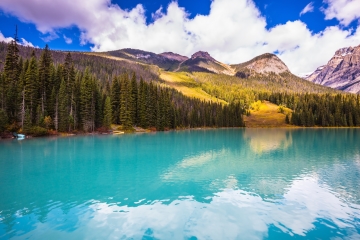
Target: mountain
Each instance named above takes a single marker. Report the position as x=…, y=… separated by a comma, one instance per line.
x=200, y=62
x=167, y=61
x=203, y=62
x=174, y=56
x=342, y=72
x=181, y=86
x=103, y=66
x=262, y=64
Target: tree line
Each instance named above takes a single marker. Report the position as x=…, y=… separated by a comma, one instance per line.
x=38, y=94
x=312, y=105
x=325, y=110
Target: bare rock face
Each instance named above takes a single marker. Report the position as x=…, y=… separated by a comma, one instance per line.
x=263, y=64
x=268, y=64
x=174, y=56
x=342, y=72
x=204, y=55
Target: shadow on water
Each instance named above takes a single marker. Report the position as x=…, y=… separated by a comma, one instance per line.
x=44, y=180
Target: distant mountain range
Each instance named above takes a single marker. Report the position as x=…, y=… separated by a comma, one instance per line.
x=199, y=79
x=342, y=72
x=201, y=62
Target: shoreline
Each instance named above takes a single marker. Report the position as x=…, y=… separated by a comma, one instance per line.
x=146, y=131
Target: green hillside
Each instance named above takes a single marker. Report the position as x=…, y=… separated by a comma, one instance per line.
x=79, y=92
x=43, y=89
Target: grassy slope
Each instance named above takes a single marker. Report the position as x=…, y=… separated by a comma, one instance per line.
x=184, y=83
x=267, y=116
x=208, y=86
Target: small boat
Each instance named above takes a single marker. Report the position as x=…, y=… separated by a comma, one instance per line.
x=19, y=136
x=118, y=132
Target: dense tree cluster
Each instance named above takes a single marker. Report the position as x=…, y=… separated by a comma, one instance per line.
x=335, y=110
x=312, y=105
x=104, y=68
x=42, y=89
x=40, y=94
x=248, y=90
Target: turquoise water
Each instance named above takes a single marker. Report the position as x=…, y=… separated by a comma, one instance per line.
x=213, y=184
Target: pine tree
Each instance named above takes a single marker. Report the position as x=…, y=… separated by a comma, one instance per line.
x=133, y=99
x=3, y=120
x=31, y=87
x=115, y=100
x=2, y=92
x=45, y=78
x=22, y=109
x=287, y=120
x=27, y=122
x=39, y=116
x=151, y=96
x=56, y=114
x=125, y=103
x=141, y=105
x=69, y=76
x=87, y=100
x=98, y=97
x=107, y=113
x=52, y=104
x=63, y=108
x=11, y=79
x=351, y=122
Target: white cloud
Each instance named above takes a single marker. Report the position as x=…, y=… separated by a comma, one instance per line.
x=9, y=39
x=234, y=31
x=51, y=36
x=307, y=8
x=5, y=39
x=345, y=11
x=67, y=40
x=303, y=51
x=26, y=43
x=294, y=213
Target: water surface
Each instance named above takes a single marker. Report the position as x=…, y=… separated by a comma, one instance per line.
x=211, y=184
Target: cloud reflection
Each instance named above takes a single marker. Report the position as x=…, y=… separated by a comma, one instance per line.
x=305, y=208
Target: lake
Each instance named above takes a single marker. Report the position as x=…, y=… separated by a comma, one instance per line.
x=200, y=184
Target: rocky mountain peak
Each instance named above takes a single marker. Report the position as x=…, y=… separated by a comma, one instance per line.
x=174, y=56
x=264, y=63
x=342, y=72
x=202, y=54
x=344, y=51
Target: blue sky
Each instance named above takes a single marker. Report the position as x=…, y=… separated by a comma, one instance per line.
x=303, y=33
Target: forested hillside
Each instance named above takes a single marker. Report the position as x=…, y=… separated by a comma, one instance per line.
x=312, y=104
x=70, y=92
x=102, y=68
x=44, y=91
x=247, y=90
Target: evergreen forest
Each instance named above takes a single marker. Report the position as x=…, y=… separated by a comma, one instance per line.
x=44, y=91
x=40, y=94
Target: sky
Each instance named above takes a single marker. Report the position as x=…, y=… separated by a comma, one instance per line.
x=305, y=34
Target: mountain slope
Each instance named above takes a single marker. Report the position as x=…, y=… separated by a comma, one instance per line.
x=167, y=61
x=263, y=64
x=342, y=72
x=100, y=65
x=203, y=62
x=207, y=78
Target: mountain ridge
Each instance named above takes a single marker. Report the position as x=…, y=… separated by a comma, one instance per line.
x=110, y=73
x=202, y=61
x=342, y=71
